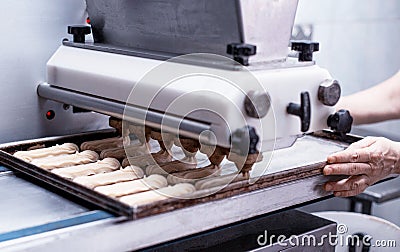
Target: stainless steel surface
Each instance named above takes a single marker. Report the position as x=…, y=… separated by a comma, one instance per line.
x=268, y=25
x=24, y=204
x=195, y=26
x=168, y=26
x=113, y=235
x=32, y=31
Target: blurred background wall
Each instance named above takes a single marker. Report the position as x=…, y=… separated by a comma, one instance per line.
x=359, y=42
x=31, y=31
x=359, y=45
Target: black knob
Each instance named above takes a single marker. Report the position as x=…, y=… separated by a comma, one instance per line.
x=79, y=32
x=302, y=110
x=329, y=92
x=244, y=141
x=341, y=121
x=305, y=49
x=241, y=52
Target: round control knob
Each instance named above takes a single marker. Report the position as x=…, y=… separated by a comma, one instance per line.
x=329, y=92
x=257, y=104
x=79, y=32
x=341, y=121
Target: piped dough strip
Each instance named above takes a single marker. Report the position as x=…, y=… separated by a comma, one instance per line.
x=102, y=144
x=131, y=187
x=193, y=175
x=101, y=166
x=57, y=150
x=50, y=163
x=171, y=167
x=141, y=161
x=161, y=158
x=127, y=174
x=121, y=152
x=176, y=191
x=218, y=181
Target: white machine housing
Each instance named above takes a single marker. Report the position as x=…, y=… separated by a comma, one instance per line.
x=219, y=108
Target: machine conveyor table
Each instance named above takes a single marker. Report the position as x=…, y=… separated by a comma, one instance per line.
x=28, y=209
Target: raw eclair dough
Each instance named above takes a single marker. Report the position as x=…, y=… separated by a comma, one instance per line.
x=63, y=149
x=120, y=152
x=127, y=174
x=101, y=166
x=131, y=187
x=161, y=157
x=102, y=144
x=174, y=166
x=218, y=181
x=193, y=175
x=50, y=163
x=141, y=161
x=178, y=190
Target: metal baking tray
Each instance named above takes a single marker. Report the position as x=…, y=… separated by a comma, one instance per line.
x=79, y=192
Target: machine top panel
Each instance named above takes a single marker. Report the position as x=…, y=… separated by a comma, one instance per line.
x=195, y=26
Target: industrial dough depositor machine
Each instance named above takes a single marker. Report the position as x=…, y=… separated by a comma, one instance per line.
x=214, y=74
x=163, y=64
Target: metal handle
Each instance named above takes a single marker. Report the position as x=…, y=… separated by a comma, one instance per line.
x=302, y=110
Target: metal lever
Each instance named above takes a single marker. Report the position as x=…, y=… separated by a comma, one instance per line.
x=302, y=110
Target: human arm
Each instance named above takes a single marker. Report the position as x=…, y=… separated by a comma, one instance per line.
x=379, y=103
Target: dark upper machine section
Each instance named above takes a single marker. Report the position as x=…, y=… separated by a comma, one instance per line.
x=176, y=26
x=235, y=28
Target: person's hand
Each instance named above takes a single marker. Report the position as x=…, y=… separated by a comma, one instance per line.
x=366, y=162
